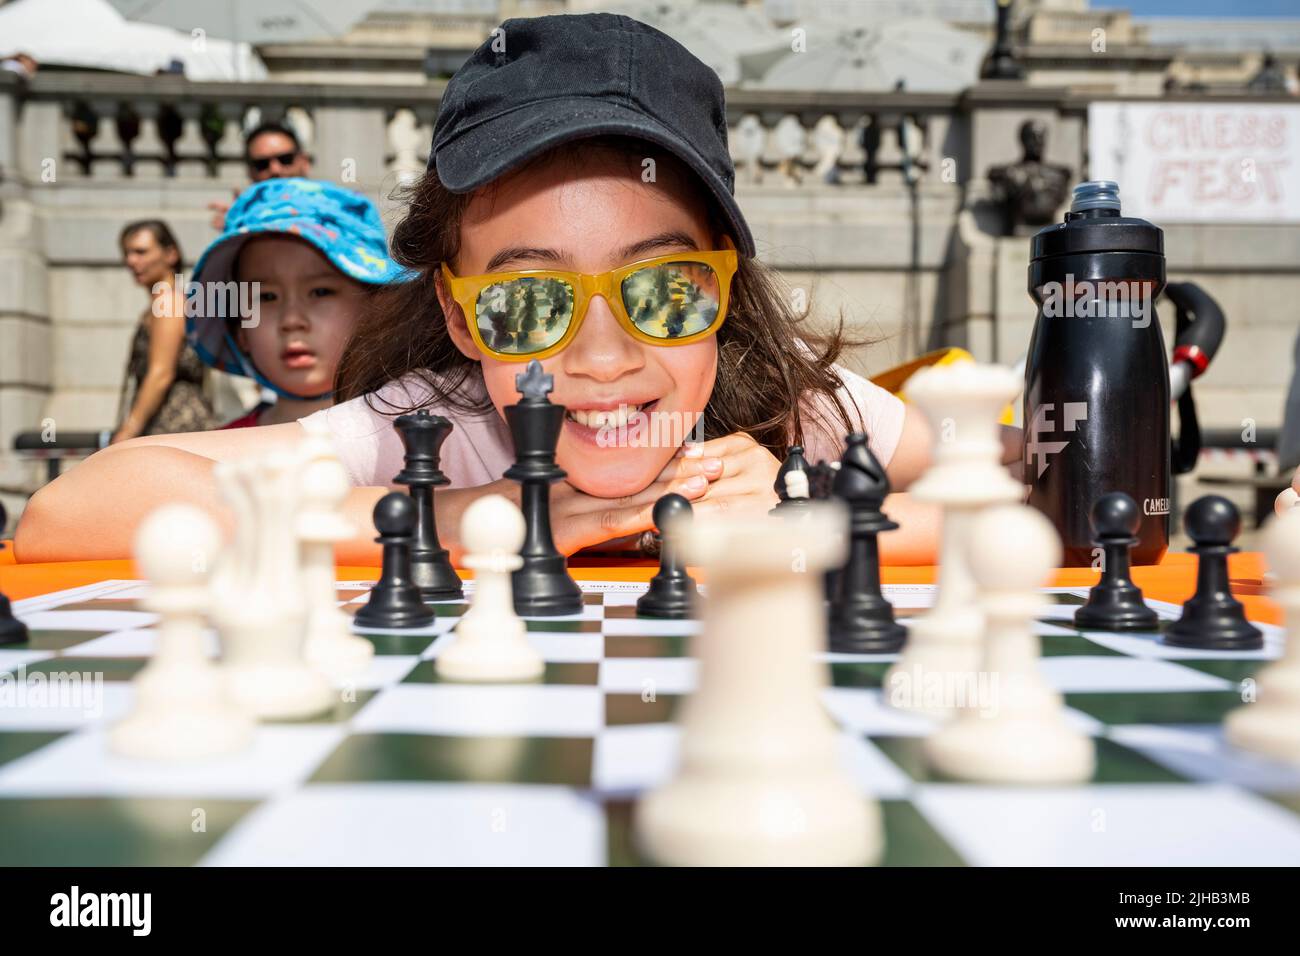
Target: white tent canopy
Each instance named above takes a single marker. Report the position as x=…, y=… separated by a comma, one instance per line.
x=924, y=55
x=719, y=34
x=250, y=21
x=93, y=35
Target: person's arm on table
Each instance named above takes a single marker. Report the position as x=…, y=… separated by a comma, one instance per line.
x=91, y=512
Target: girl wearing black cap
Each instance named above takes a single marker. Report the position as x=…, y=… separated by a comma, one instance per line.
x=577, y=209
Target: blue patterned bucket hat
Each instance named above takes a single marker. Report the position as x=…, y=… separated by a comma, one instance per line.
x=342, y=225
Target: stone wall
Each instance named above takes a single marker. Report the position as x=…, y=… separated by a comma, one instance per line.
x=907, y=260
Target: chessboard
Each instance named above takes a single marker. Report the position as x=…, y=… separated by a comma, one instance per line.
x=409, y=769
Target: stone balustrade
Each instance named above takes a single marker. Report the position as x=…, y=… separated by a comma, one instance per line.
x=131, y=128
x=147, y=128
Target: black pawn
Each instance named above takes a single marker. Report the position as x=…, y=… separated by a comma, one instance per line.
x=422, y=436
x=542, y=585
x=1115, y=603
x=12, y=630
x=1212, y=618
x=794, y=461
x=395, y=601
x=672, y=590
x=861, y=620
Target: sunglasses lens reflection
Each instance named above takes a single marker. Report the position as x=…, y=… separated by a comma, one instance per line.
x=673, y=300
x=524, y=315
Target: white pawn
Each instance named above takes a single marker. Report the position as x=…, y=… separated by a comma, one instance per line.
x=761, y=782
x=1015, y=731
x=182, y=710
x=1271, y=725
x=330, y=644
x=491, y=643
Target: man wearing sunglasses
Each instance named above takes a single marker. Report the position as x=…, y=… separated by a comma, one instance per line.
x=271, y=151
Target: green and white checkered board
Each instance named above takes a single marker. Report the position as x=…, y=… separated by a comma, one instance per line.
x=409, y=769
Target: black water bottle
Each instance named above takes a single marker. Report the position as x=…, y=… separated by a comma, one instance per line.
x=1097, y=374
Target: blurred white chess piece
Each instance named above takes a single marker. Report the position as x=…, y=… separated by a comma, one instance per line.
x=330, y=644
x=962, y=403
x=1015, y=730
x=258, y=603
x=761, y=780
x=182, y=709
x=1271, y=725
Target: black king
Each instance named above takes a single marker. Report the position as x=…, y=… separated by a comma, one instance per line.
x=542, y=585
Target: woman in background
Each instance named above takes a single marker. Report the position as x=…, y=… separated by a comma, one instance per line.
x=163, y=374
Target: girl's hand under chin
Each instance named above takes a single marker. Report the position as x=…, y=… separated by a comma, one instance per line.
x=747, y=476
x=728, y=474
x=580, y=520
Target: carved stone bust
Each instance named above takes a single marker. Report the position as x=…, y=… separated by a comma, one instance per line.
x=1031, y=190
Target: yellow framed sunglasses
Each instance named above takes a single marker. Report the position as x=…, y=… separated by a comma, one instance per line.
x=675, y=299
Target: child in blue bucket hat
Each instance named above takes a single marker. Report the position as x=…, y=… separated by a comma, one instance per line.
x=277, y=296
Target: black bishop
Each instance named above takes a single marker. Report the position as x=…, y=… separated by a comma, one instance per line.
x=861, y=620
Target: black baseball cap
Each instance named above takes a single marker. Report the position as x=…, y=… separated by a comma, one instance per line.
x=538, y=82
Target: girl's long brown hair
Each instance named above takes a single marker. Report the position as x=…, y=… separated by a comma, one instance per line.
x=768, y=359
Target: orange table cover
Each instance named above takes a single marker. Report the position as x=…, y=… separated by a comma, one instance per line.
x=1173, y=580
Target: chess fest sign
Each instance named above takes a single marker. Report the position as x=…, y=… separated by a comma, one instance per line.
x=1199, y=162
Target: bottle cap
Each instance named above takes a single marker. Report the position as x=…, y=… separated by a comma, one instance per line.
x=1096, y=194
